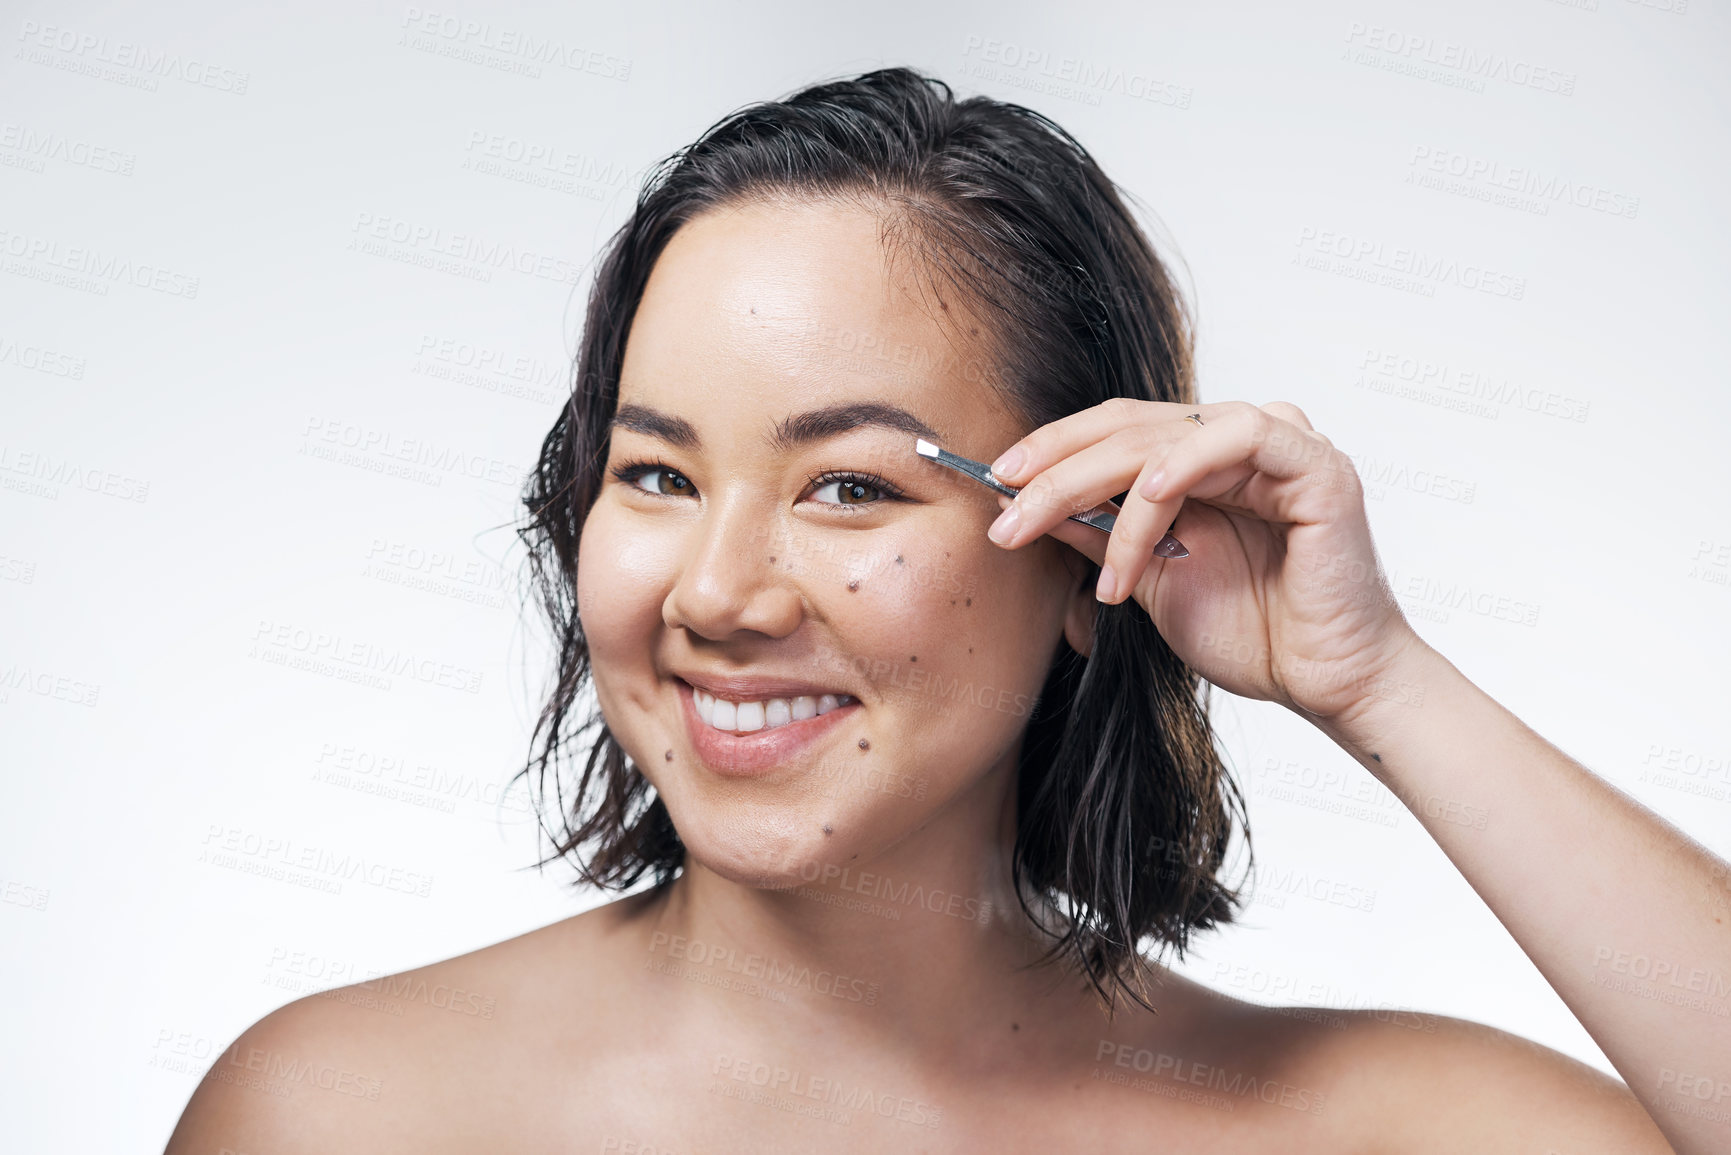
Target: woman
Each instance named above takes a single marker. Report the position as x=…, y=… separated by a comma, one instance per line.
x=916, y=800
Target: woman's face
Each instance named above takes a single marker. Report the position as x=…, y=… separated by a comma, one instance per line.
x=775, y=347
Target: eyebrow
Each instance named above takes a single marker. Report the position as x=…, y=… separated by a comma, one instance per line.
x=789, y=433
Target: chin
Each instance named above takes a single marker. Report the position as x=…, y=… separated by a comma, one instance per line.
x=776, y=845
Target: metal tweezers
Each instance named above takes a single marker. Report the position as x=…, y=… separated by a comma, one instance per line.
x=1103, y=516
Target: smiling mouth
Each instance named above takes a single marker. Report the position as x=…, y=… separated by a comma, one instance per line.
x=750, y=717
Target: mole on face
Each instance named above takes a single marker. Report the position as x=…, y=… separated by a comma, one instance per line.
x=668, y=756
x=899, y=559
x=853, y=586
x=828, y=829
x=864, y=745
x=913, y=657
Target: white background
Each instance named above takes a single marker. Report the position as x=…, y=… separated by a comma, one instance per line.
x=160, y=520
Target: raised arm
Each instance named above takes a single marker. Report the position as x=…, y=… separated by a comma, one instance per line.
x=1282, y=599
x=1627, y=917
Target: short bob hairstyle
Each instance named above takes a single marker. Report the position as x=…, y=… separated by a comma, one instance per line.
x=1125, y=807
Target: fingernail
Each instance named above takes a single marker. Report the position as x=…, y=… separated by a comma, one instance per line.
x=1011, y=461
x=1108, y=587
x=1151, y=488
x=1005, y=527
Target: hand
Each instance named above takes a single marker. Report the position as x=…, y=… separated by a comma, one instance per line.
x=1281, y=598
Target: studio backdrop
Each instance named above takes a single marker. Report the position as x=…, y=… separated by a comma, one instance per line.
x=289, y=300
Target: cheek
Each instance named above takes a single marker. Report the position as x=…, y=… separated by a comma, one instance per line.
x=955, y=637
x=622, y=579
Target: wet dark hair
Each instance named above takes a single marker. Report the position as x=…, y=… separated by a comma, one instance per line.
x=1125, y=807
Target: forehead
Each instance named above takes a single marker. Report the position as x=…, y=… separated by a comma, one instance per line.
x=772, y=302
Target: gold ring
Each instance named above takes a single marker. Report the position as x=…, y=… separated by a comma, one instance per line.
x=1196, y=417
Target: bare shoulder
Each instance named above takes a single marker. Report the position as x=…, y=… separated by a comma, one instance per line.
x=1449, y=1084
x=1407, y=1081
x=408, y=1061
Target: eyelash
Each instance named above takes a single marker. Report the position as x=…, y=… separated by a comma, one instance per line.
x=630, y=472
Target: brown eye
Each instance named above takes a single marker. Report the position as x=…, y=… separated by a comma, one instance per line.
x=663, y=481
x=675, y=483
x=849, y=492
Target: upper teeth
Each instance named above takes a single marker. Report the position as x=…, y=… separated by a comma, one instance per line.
x=744, y=717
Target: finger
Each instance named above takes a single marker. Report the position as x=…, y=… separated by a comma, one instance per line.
x=1130, y=548
x=1087, y=540
x=1059, y=439
x=1241, y=434
x=1294, y=414
x=1290, y=412
x=1083, y=480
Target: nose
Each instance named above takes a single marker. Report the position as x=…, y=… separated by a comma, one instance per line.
x=727, y=581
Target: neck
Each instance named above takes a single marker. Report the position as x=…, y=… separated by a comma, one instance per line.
x=924, y=941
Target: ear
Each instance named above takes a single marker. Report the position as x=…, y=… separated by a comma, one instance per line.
x=1082, y=606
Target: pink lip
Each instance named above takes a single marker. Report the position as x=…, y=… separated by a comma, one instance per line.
x=755, y=754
